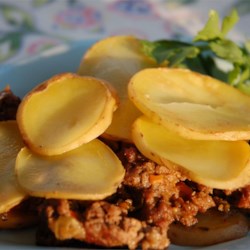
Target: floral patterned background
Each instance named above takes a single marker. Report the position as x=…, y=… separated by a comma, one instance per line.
x=28, y=27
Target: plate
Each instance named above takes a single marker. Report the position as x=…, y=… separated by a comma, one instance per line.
x=22, y=76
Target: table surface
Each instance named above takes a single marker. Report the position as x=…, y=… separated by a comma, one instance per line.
x=28, y=27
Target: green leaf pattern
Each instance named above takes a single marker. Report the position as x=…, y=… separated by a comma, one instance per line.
x=9, y=45
x=16, y=17
x=21, y=22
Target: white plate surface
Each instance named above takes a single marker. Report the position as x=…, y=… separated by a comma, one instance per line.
x=22, y=77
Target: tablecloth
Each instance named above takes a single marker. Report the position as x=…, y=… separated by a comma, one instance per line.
x=28, y=27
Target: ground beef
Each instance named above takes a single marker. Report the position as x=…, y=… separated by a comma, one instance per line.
x=100, y=223
x=139, y=214
x=239, y=198
x=150, y=198
x=8, y=105
x=244, y=198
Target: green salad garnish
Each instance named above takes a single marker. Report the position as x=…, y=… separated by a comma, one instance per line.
x=210, y=52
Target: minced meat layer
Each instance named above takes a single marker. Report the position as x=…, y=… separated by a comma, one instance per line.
x=139, y=214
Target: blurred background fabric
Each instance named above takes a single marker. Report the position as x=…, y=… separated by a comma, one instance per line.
x=28, y=27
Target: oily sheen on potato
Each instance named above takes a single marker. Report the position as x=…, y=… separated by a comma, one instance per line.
x=116, y=59
x=65, y=111
x=191, y=104
x=89, y=172
x=10, y=144
x=216, y=164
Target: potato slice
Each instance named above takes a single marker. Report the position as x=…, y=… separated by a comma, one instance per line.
x=20, y=216
x=65, y=111
x=217, y=164
x=213, y=227
x=115, y=59
x=10, y=143
x=194, y=105
x=89, y=172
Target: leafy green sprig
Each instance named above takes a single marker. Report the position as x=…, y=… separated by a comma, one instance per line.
x=210, y=52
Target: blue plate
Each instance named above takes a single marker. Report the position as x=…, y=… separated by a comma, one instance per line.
x=22, y=77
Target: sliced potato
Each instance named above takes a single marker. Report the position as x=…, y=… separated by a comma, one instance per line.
x=213, y=227
x=115, y=59
x=10, y=144
x=20, y=216
x=65, y=111
x=217, y=164
x=194, y=105
x=89, y=172
x=16, y=220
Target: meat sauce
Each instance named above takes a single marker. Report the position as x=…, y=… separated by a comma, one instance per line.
x=139, y=214
x=150, y=198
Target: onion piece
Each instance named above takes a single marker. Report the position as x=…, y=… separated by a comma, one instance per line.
x=213, y=227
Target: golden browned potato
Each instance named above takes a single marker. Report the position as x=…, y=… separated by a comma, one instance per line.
x=65, y=111
x=17, y=220
x=217, y=164
x=89, y=172
x=116, y=59
x=193, y=105
x=10, y=143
